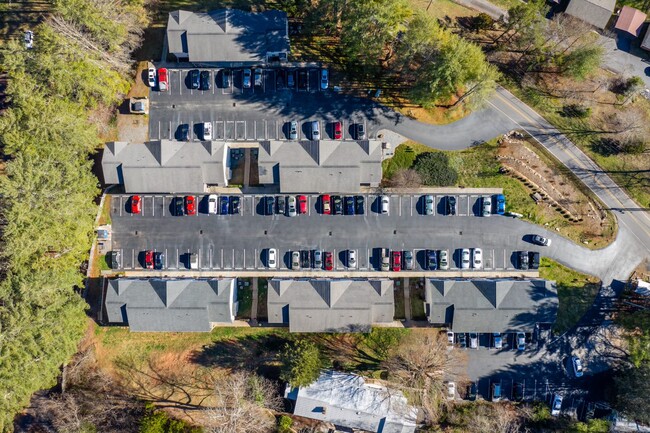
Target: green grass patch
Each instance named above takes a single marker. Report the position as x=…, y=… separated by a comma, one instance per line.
x=245, y=298
x=105, y=262
x=399, y=300
x=262, y=290
x=576, y=292
x=417, y=299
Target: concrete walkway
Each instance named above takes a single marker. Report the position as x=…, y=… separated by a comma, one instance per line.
x=407, y=299
x=254, y=301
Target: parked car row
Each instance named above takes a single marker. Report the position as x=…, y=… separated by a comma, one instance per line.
x=336, y=127
x=451, y=206
x=494, y=340
x=528, y=260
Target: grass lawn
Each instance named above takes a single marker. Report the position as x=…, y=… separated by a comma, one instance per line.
x=417, y=299
x=576, y=292
x=442, y=8
x=245, y=298
x=262, y=290
x=399, y=300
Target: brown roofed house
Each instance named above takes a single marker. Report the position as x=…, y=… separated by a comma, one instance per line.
x=630, y=20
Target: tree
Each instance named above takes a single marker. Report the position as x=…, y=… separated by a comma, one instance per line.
x=405, y=178
x=434, y=169
x=482, y=22
x=301, y=363
x=632, y=389
x=520, y=17
x=581, y=62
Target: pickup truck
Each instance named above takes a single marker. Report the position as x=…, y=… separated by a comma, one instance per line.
x=385, y=259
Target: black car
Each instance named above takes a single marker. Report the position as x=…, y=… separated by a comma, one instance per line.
x=359, y=205
x=432, y=260
x=179, y=206
x=337, y=205
x=349, y=205
x=533, y=260
x=205, y=80
x=451, y=205
x=305, y=260
x=518, y=391
x=270, y=204
x=183, y=132
x=225, y=78
x=303, y=80
x=471, y=391
x=280, y=79
x=462, y=342
x=158, y=260
x=523, y=260
x=280, y=204
x=194, y=79
x=234, y=203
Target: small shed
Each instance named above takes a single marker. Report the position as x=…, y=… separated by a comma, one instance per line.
x=630, y=20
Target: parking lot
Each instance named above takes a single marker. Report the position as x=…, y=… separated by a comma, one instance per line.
x=259, y=112
x=240, y=241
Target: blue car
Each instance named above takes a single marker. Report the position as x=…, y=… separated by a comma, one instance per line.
x=224, y=205
x=349, y=205
x=501, y=204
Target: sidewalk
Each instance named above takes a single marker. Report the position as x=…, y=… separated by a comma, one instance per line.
x=483, y=6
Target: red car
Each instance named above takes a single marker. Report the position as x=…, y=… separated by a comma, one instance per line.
x=302, y=204
x=325, y=203
x=163, y=84
x=397, y=261
x=148, y=259
x=338, y=131
x=329, y=261
x=190, y=206
x=136, y=204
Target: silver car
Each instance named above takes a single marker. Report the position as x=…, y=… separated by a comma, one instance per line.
x=464, y=258
x=352, y=258
x=295, y=260
x=318, y=259
x=384, y=204
x=291, y=206
x=272, y=258
x=487, y=206
x=247, y=78
x=477, y=258
x=315, y=130
x=428, y=205
x=293, y=130
x=443, y=263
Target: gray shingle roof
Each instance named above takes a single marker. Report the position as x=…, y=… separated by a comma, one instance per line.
x=339, y=305
x=227, y=35
x=595, y=12
x=165, y=166
x=345, y=400
x=315, y=166
x=490, y=305
x=160, y=305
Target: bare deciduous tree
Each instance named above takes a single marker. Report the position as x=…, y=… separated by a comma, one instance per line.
x=405, y=177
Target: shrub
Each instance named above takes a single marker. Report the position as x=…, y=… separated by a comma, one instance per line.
x=576, y=110
x=434, y=169
x=284, y=424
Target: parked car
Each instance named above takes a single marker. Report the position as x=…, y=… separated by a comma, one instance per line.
x=226, y=76
x=315, y=130
x=428, y=205
x=541, y=240
x=291, y=78
x=385, y=259
x=451, y=390
x=29, y=39
x=212, y=204
x=521, y=341
x=451, y=205
x=472, y=391
x=496, y=391
x=397, y=261
x=432, y=260
x=291, y=206
x=318, y=259
x=163, y=83
x=464, y=258
x=247, y=79
x=279, y=200
x=523, y=260
x=477, y=258
x=272, y=258
x=270, y=204
x=234, y=204
x=444, y=260
x=302, y=204
x=450, y=338
x=293, y=130
x=359, y=203
x=116, y=259
x=518, y=391
x=352, y=258
x=349, y=205
x=325, y=204
x=305, y=260
x=577, y=366
x=385, y=205
x=295, y=260
x=361, y=131
x=462, y=341
x=473, y=340
x=194, y=79
x=179, y=206
x=324, y=79
x=556, y=405
x=151, y=77
x=337, y=205
x=205, y=80
x=194, y=261
x=533, y=260
x=158, y=260
x=329, y=261
x=501, y=204
x=207, y=131
x=136, y=204
x=338, y=130
x=257, y=77
x=487, y=206
x=497, y=340
x=183, y=132
x=408, y=260
x=190, y=205
x=148, y=259
x=224, y=206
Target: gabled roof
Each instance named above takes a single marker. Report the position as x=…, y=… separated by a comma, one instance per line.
x=630, y=20
x=594, y=12
x=330, y=305
x=482, y=305
x=346, y=400
x=227, y=35
x=177, y=305
x=311, y=166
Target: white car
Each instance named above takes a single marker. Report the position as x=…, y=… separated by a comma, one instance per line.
x=291, y=206
x=295, y=260
x=385, y=204
x=477, y=258
x=272, y=258
x=247, y=78
x=577, y=366
x=473, y=340
x=556, y=406
x=29, y=39
x=464, y=258
x=521, y=341
x=352, y=258
x=315, y=130
x=212, y=203
x=151, y=77
x=207, y=131
x=324, y=79
x=498, y=340
x=451, y=390
x=443, y=263
x=318, y=259
x=258, y=77
x=487, y=206
x=450, y=338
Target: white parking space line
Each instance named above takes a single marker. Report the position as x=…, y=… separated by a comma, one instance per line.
x=180, y=82
x=121, y=204
x=505, y=263
x=255, y=261
x=132, y=259
x=468, y=205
